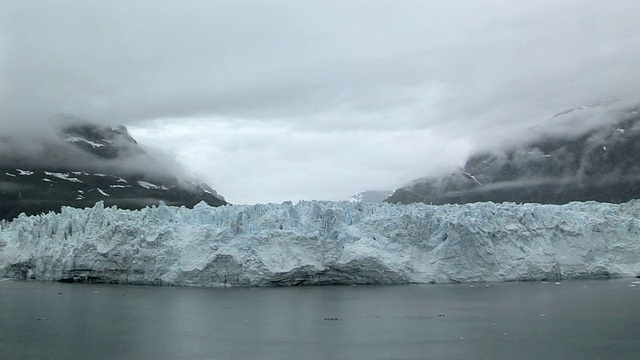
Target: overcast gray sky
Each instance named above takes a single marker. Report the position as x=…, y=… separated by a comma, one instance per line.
x=287, y=100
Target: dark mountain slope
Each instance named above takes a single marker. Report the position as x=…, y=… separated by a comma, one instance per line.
x=602, y=164
x=86, y=163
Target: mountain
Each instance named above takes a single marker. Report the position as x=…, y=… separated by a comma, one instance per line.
x=600, y=164
x=84, y=163
x=371, y=196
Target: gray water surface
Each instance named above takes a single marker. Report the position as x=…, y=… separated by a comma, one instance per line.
x=597, y=319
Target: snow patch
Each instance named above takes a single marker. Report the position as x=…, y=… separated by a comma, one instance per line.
x=102, y=192
x=24, y=172
x=63, y=176
x=472, y=178
x=150, y=186
x=79, y=139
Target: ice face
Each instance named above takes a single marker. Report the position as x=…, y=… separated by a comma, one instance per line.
x=314, y=243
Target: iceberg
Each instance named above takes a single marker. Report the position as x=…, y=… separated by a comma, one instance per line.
x=324, y=243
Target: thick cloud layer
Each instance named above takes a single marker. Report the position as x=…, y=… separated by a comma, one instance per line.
x=360, y=82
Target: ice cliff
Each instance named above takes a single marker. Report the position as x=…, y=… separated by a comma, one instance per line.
x=316, y=243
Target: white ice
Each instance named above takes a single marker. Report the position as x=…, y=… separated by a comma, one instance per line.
x=326, y=243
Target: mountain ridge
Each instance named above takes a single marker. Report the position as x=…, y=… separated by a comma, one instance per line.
x=599, y=164
x=84, y=163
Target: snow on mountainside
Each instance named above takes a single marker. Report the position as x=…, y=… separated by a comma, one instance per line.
x=86, y=163
x=317, y=243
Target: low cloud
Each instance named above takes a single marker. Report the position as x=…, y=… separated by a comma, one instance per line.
x=251, y=162
x=391, y=90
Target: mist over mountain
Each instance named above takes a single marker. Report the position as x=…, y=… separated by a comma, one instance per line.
x=370, y=196
x=81, y=163
x=576, y=157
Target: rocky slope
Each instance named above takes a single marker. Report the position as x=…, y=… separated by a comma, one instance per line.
x=321, y=243
x=600, y=164
x=85, y=163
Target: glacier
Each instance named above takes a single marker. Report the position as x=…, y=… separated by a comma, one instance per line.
x=323, y=243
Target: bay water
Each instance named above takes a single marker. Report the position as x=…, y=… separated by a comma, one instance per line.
x=587, y=319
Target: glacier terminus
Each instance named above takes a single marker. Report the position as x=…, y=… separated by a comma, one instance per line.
x=324, y=243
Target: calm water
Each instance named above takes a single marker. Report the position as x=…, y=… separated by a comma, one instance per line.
x=572, y=320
